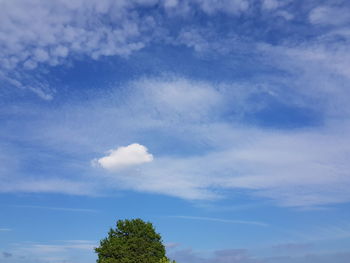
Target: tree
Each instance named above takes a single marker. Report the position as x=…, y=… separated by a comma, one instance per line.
x=166, y=260
x=133, y=241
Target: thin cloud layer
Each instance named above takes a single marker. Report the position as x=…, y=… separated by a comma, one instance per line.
x=243, y=256
x=59, y=251
x=219, y=256
x=328, y=15
x=304, y=166
x=279, y=134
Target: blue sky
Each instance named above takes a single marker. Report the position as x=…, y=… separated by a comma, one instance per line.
x=225, y=123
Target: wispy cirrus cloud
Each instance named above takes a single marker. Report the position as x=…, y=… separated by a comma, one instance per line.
x=238, y=130
x=68, y=209
x=40, y=185
x=305, y=166
x=220, y=220
x=329, y=15
x=66, y=31
x=39, y=33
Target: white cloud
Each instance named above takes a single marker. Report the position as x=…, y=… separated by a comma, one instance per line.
x=270, y=4
x=295, y=168
x=122, y=157
x=202, y=155
x=170, y=3
x=324, y=79
x=48, y=33
x=327, y=15
x=177, y=98
x=299, y=168
x=302, y=169
x=39, y=32
x=225, y=6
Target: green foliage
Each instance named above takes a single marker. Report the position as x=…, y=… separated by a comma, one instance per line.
x=133, y=241
x=166, y=260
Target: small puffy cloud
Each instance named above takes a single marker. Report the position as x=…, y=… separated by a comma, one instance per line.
x=125, y=156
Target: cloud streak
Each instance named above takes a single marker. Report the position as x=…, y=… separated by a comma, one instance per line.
x=83, y=210
x=221, y=220
x=59, y=251
x=5, y=229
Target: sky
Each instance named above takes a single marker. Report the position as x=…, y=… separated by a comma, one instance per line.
x=223, y=122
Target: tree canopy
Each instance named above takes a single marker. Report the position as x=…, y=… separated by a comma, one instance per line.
x=132, y=241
